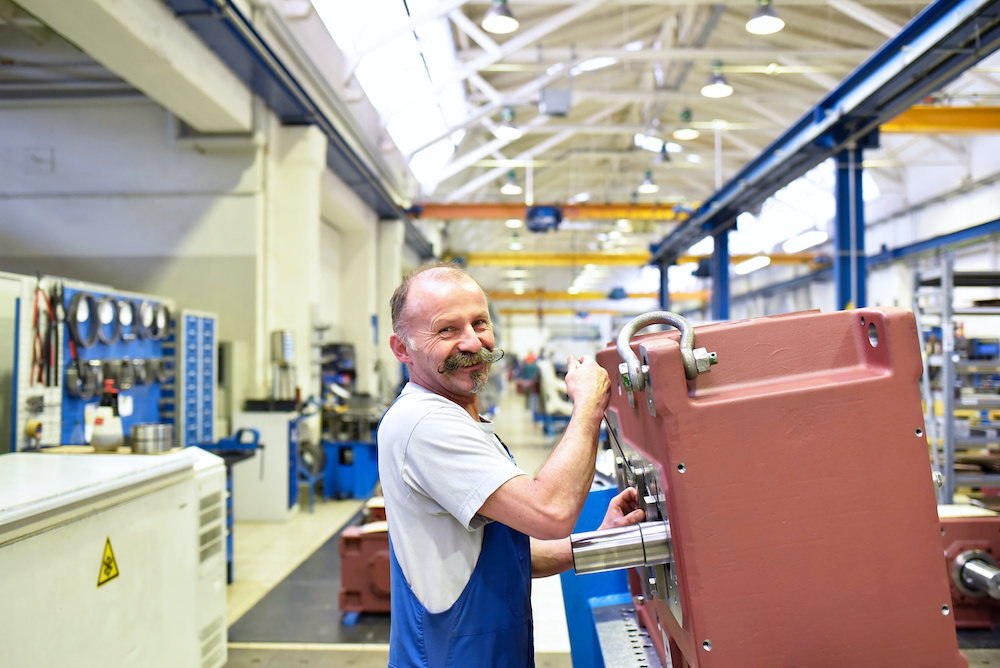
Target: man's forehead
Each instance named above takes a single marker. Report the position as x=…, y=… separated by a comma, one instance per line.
x=444, y=292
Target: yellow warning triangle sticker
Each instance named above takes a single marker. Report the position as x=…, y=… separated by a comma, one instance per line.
x=109, y=567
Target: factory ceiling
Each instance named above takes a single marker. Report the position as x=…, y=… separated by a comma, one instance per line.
x=597, y=90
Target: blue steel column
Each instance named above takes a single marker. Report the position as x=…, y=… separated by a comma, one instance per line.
x=664, y=286
x=849, y=260
x=720, y=277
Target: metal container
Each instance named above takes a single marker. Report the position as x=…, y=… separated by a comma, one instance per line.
x=283, y=346
x=151, y=438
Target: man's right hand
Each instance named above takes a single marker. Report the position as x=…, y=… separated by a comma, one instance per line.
x=587, y=384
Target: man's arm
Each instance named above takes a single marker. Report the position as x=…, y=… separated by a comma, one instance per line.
x=548, y=505
x=550, y=557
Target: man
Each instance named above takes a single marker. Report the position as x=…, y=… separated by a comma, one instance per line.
x=468, y=528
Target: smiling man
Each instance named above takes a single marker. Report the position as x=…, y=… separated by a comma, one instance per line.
x=468, y=529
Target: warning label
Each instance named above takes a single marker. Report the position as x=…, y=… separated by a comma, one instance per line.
x=109, y=567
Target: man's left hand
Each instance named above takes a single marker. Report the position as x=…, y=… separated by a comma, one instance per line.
x=623, y=510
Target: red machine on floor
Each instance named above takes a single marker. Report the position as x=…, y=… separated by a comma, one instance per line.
x=971, y=543
x=791, y=510
x=364, y=554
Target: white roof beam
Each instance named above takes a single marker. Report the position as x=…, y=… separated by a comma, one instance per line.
x=142, y=42
x=530, y=58
x=824, y=81
x=866, y=16
x=481, y=152
x=541, y=147
x=465, y=24
x=512, y=98
x=522, y=40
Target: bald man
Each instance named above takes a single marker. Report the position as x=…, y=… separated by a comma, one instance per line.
x=468, y=529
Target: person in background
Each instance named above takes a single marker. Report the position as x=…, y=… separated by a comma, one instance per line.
x=468, y=529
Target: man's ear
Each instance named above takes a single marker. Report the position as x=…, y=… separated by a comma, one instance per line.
x=399, y=348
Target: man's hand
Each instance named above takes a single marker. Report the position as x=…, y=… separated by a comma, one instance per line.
x=623, y=510
x=587, y=384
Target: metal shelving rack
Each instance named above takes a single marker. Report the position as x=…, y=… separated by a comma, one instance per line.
x=934, y=304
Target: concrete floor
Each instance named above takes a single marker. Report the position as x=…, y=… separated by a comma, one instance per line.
x=266, y=553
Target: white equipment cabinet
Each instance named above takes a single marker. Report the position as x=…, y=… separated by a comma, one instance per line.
x=111, y=560
x=262, y=485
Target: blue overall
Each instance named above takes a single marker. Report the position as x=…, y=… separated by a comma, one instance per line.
x=490, y=623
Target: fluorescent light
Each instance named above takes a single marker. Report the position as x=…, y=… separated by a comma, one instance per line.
x=717, y=85
x=516, y=273
x=647, y=187
x=634, y=46
x=514, y=223
x=518, y=289
x=686, y=132
x=765, y=20
x=647, y=142
x=804, y=241
x=573, y=290
x=753, y=264
x=593, y=64
x=498, y=19
x=510, y=186
x=507, y=131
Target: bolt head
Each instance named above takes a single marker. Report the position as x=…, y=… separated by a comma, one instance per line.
x=704, y=360
x=623, y=372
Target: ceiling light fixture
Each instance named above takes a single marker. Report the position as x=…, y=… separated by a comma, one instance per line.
x=499, y=20
x=507, y=131
x=647, y=186
x=804, y=241
x=717, y=85
x=765, y=20
x=753, y=264
x=510, y=186
x=686, y=132
x=514, y=223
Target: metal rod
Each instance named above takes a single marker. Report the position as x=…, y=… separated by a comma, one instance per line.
x=643, y=544
x=981, y=576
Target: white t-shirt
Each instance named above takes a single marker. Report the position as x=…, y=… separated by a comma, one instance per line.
x=437, y=467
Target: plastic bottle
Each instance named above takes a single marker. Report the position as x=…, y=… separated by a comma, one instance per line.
x=108, y=435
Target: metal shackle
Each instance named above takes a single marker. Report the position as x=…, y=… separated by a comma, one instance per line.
x=643, y=544
x=695, y=361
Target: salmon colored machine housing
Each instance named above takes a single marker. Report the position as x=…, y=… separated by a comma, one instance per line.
x=791, y=511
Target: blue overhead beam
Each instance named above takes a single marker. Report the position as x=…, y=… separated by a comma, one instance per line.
x=224, y=29
x=940, y=43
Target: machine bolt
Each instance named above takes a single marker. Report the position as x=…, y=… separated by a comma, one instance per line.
x=938, y=479
x=704, y=360
x=623, y=371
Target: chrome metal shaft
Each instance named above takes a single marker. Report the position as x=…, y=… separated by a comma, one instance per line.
x=982, y=576
x=643, y=544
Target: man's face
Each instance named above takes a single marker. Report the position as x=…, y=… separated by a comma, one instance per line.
x=446, y=318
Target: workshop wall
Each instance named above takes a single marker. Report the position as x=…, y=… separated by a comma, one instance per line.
x=358, y=228
x=108, y=193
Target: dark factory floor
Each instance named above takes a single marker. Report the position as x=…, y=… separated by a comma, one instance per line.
x=283, y=603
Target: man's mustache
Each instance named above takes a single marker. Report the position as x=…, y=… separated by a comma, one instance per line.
x=460, y=360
